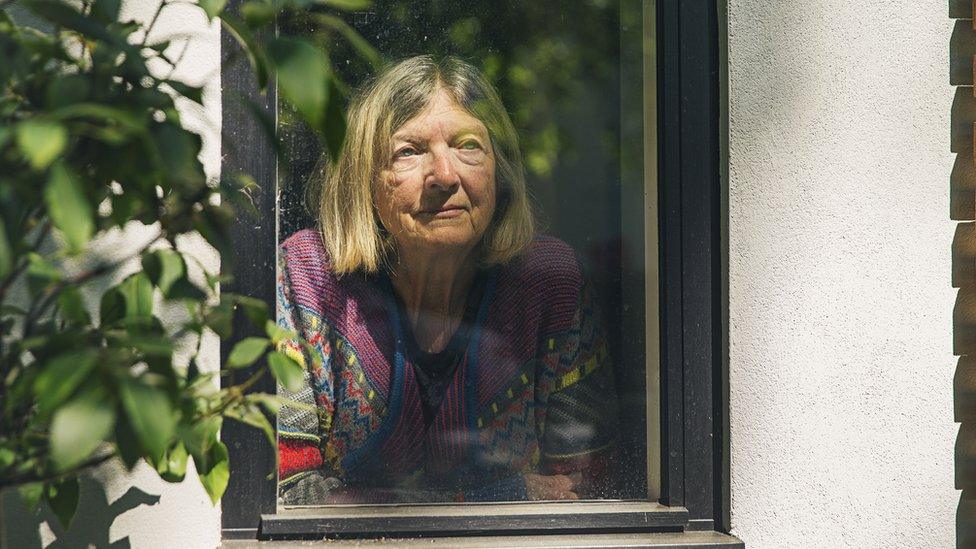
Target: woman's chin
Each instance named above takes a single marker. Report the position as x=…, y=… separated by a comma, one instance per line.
x=448, y=239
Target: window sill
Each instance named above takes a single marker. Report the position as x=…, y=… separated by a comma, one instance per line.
x=597, y=517
x=661, y=540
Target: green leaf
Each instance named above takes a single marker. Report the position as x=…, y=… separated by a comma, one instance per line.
x=312, y=353
x=12, y=310
x=5, y=134
x=106, y=11
x=302, y=71
x=246, y=352
x=288, y=372
x=58, y=377
x=30, y=494
x=41, y=274
x=346, y=5
x=127, y=443
x=151, y=345
x=239, y=191
x=192, y=371
x=214, y=471
x=274, y=403
x=6, y=253
x=112, y=307
x=255, y=55
x=79, y=427
x=137, y=291
x=68, y=207
x=41, y=141
x=151, y=416
x=255, y=309
x=184, y=289
x=271, y=403
x=257, y=13
x=277, y=333
x=7, y=457
x=253, y=416
x=61, y=13
x=178, y=149
x=217, y=221
x=220, y=318
x=62, y=497
x=72, y=306
x=172, y=468
x=106, y=114
x=201, y=436
x=193, y=93
x=335, y=123
x=264, y=120
x=212, y=7
x=68, y=89
x=165, y=268
x=362, y=47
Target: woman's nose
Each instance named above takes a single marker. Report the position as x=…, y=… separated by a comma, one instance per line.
x=441, y=172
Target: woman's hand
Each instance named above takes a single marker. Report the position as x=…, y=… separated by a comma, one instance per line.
x=550, y=487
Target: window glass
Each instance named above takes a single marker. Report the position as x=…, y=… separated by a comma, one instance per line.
x=471, y=364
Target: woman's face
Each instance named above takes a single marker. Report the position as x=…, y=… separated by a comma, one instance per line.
x=438, y=193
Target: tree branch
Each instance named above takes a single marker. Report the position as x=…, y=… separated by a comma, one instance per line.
x=18, y=270
x=152, y=22
x=39, y=306
x=35, y=477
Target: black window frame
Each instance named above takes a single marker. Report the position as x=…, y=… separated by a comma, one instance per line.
x=695, y=484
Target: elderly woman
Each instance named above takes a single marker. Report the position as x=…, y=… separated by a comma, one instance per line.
x=454, y=354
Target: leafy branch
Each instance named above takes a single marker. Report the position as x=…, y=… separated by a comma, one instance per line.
x=91, y=141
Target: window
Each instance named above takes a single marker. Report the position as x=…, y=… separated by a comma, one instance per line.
x=651, y=247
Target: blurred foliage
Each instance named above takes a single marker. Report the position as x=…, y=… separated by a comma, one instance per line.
x=91, y=142
x=555, y=65
x=537, y=54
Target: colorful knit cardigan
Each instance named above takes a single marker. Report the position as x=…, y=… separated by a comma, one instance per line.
x=534, y=392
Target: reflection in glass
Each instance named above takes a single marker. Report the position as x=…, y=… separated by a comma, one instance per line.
x=458, y=354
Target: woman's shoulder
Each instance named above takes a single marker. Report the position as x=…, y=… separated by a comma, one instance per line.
x=547, y=269
x=306, y=267
x=549, y=258
x=305, y=246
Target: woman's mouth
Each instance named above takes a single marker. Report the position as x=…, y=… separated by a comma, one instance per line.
x=445, y=212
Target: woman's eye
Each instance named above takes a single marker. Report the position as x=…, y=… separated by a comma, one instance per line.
x=470, y=146
x=405, y=152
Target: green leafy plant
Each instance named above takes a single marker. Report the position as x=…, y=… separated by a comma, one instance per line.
x=91, y=142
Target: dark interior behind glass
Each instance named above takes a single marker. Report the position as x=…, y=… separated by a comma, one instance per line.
x=558, y=67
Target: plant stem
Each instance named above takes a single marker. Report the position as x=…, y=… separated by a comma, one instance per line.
x=18, y=270
x=179, y=59
x=40, y=306
x=34, y=477
x=152, y=22
x=237, y=391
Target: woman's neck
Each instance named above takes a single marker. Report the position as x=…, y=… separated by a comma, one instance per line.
x=434, y=290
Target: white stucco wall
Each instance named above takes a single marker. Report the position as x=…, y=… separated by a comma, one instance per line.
x=840, y=297
x=841, y=302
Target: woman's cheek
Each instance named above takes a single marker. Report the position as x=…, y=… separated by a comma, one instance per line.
x=472, y=157
x=386, y=204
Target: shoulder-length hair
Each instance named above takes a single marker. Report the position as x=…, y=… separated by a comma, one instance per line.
x=351, y=230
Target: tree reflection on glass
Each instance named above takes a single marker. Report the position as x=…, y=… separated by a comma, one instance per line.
x=557, y=67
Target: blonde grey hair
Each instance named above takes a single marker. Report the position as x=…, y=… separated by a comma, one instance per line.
x=351, y=231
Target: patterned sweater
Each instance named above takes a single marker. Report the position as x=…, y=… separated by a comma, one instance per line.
x=533, y=393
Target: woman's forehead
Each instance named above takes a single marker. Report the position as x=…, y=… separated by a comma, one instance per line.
x=441, y=114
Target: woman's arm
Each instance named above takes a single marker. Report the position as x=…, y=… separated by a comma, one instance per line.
x=579, y=442
x=304, y=478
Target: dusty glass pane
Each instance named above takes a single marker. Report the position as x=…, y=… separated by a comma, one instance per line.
x=452, y=371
